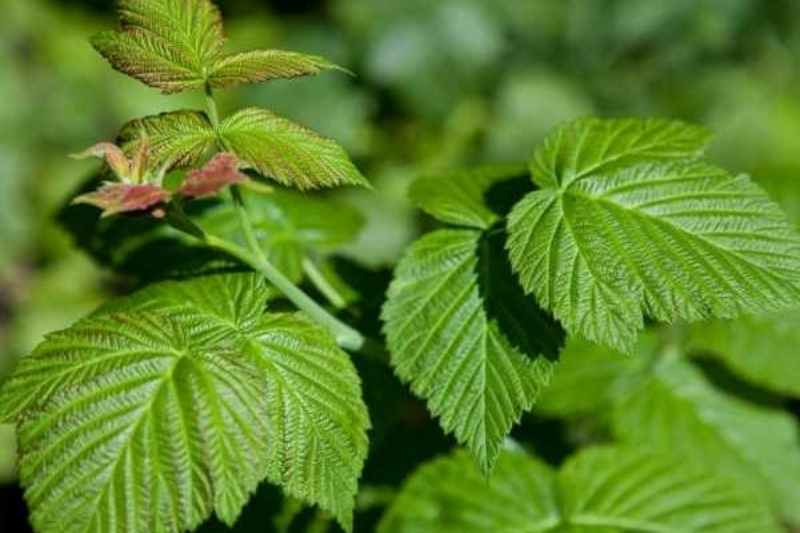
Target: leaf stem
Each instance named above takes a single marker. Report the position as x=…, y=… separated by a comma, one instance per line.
x=211, y=106
x=345, y=336
x=318, y=279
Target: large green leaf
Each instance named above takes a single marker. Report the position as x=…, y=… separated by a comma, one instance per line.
x=600, y=490
x=177, y=139
x=674, y=408
x=291, y=228
x=183, y=398
x=167, y=44
x=445, y=342
x=760, y=349
x=287, y=152
x=623, y=228
x=459, y=198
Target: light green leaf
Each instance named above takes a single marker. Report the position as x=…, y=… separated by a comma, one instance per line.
x=177, y=139
x=675, y=409
x=599, y=490
x=264, y=65
x=185, y=397
x=287, y=152
x=290, y=227
x=679, y=240
x=760, y=349
x=170, y=45
x=444, y=342
x=458, y=198
x=592, y=146
x=450, y=494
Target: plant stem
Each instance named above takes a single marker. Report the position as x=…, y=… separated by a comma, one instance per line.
x=345, y=336
x=211, y=106
x=316, y=277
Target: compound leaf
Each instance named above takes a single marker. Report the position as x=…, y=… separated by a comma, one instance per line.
x=602, y=245
x=264, y=65
x=176, y=139
x=287, y=152
x=759, y=349
x=170, y=45
x=184, y=397
x=458, y=198
x=444, y=342
x=613, y=489
x=675, y=409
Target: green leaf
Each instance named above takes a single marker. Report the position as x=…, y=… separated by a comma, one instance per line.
x=458, y=198
x=675, y=409
x=445, y=343
x=613, y=489
x=602, y=245
x=290, y=227
x=591, y=146
x=450, y=494
x=760, y=349
x=184, y=397
x=264, y=65
x=287, y=152
x=170, y=45
x=177, y=139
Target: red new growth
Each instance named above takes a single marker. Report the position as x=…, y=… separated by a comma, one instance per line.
x=221, y=171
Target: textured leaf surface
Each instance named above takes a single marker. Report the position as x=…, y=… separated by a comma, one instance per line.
x=677, y=410
x=599, y=490
x=167, y=44
x=290, y=227
x=176, y=402
x=764, y=350
x=264, y=65
x=444, y=343
x=602, y=245
x=222, y=171
x=287, y=152
x=115, y=198
x=177, y=139
x=458, y=198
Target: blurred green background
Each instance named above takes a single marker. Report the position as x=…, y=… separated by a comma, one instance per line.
x=440, y=84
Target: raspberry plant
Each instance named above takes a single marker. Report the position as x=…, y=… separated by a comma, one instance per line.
x=174, y=403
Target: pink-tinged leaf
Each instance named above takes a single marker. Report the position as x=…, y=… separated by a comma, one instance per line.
x=221, y=171
x=114, y=198
x=113, y=155
x=141, y=160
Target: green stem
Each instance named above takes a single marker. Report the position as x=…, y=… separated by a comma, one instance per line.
x=345, y=336
x=316, y=277
x=211, y=106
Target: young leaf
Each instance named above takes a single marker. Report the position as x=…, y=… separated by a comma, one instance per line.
x=675, y=409
x=444, y=342
x=170, y=45
x=290, y=227
x=287, y=152
x=601, y=489
x=613, y=236
x=458, y=198
x=220, y=172
x=760, y=349
x=177, y=139
x=112, y=154
x=115, y=198
x=166, y=395
x=264, y=65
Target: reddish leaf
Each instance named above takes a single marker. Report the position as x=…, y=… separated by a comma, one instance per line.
x=114, y=198
x=113, y=155
x=221, y=171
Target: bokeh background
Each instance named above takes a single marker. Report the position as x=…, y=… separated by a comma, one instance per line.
x=440, y=84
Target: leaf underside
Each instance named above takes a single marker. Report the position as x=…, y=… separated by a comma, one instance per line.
x=177, y=402
x=627, y=225
x=614, y=489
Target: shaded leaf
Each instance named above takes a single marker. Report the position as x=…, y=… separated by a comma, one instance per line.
x=458, y=198
x=446, y=346
x=287, y=152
